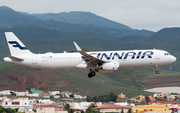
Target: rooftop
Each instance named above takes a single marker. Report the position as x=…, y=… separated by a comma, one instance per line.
x=112, y=106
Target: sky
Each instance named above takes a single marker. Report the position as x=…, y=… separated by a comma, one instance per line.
x=138, y=14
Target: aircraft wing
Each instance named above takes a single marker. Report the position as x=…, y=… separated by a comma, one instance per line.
x=90, y=60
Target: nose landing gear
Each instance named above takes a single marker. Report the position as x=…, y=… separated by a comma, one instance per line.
x=157, y=71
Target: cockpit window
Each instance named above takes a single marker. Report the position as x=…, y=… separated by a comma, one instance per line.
x=166, y=54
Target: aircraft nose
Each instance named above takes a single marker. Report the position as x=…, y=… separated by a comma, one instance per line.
x=173, y=59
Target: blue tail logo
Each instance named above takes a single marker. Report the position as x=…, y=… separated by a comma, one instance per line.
x=16, y=44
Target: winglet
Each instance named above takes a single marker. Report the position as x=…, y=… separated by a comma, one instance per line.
x=77, y=47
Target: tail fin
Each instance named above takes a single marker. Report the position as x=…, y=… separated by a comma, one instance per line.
x=16, y=47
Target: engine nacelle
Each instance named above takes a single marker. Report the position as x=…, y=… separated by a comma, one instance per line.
x=110, y=66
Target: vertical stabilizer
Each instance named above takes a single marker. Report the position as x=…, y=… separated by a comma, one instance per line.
x=16, y=47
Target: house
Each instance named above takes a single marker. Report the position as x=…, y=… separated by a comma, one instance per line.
x=22, y=93
x=60, y=111
x=54, y=92
x=143, y=99
x=161, y=95
x=79, y=97
x=33, y=95
x=111, y=108
x=6, y=92
x=46, y=95
x=151, y=108
x=164, y=102
x=80, y=105
x=46, y=101
x=21, y=103
x=121, y=98
x=45, y=109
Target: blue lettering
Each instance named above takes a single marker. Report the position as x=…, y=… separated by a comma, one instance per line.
x=107, y=57
x=117, y=55
x=147, y=53
x=98, y=55
x=139, y=54
x=127, y=54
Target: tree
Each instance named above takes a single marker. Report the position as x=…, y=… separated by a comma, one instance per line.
x=71, y=111
x=147, y=99
x=67, y=107
x=90, y=108
x=129, y=110
x=12, y=93
x=1, y=109
x=122, y=111
x=112, y=97
x=71, y=95
x=16, y=109
x=29, y=90
x=51, y=97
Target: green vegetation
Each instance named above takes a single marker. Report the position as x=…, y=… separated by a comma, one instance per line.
x=90, y=109
x=102, y=98
x=8, y=110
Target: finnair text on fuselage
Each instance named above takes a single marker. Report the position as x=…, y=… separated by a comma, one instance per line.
x=122, y=55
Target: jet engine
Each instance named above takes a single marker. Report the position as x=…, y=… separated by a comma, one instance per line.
x=109, y=66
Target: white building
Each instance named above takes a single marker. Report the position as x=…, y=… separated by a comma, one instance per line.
x=83, y=105
x=79, y=96
x=46, y=101
x=3, y=98
x=22, y=93
x=33, y=95
x=21, y=103
x=6, y=92
x=54, y=92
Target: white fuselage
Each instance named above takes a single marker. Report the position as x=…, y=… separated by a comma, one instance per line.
x=127, y=58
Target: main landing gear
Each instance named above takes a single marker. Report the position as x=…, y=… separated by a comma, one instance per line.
x=92, y=73
x=156, y=66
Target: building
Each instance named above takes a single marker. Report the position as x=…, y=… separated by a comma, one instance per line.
x=45, y=109
x=164, y=102
x=161, y=95
x=111, y=108
x=21, y=103
x=151, y=108
x=22, y=93
x=121, y=98
x=144, y=99
x=6, y=92
x=60, y=111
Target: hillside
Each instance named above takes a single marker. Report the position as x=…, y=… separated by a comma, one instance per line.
x=77, y=17
x=9, y=18
x=130, y=81
x=166, y=36
x=17, y=78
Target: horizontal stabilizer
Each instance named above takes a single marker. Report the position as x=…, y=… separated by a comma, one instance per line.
x=15, y=58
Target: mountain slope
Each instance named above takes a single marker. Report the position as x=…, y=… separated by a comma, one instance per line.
x=166, y=36
x=9, y=18
x=17, y=78
x=76, y=17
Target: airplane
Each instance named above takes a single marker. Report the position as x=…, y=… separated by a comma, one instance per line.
x=98, y=61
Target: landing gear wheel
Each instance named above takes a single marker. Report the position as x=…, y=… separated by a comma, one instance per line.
x=156, y=66
x=91, y=74
x=157, y=72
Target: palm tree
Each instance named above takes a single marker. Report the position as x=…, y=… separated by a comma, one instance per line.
x=90, y=108
x=67, y=107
